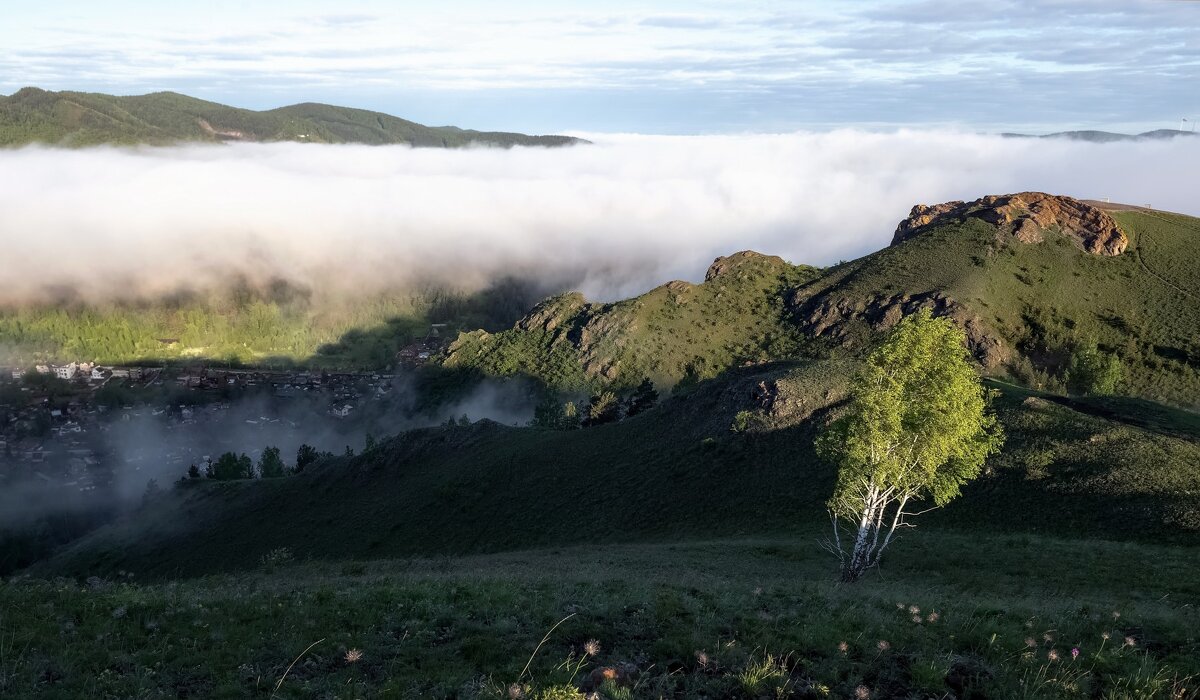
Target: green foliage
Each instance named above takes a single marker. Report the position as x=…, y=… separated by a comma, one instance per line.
x=231, y=466
x=552, y=415
x=603, y=408
x=918, y=421
x=270, y=464
x=1094, y=372
x=193, y=472
x=748, y=421
x=305, y=456
x=644, y=397
x=917, y=429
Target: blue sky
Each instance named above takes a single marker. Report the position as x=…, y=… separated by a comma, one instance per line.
x=646, y=67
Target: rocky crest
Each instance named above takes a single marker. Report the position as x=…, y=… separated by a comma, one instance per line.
x=1026, y=216
x=729, y=263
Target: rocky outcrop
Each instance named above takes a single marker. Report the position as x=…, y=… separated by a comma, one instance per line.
x=1026, y=216
x=729, y=263
x=836, y=317
x=553, y=312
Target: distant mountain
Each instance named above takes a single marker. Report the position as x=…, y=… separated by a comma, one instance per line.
x=32, y=115
x=1106, y=136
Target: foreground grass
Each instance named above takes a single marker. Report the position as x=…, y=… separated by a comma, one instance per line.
x=951, y=615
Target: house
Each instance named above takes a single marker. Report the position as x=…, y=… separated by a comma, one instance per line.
x=97, y=374
x=342, y=411
x=66, y=371
x=18, y=373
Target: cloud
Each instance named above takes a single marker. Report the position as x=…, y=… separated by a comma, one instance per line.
x=613, y=219
x=794, y=60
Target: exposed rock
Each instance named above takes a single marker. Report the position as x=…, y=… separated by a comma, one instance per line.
x=549, y=314
x=1026, y=216
x=726, y=264
x=833, y=317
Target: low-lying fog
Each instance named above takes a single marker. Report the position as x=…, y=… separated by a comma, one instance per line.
x=616, y=217
x=115, y=453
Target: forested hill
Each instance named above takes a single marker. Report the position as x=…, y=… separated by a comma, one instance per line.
x=32, y=115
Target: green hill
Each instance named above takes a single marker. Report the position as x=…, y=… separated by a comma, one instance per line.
x=1103, y=469
x=31, y=115
x=738, y=315
x=1030, y=277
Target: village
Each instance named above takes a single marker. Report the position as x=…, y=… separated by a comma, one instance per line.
x=72, y=426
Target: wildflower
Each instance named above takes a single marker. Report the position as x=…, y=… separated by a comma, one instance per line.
x=1130, y=642
x=916, y=619
x=515, y=692
x=591, y=647
x=758, y=590
x=933, y=617
x=1027, y=656
x=609, y=673
x=914, y=610
x=702, y=658
x=843, y=647
x=1074, y=653
x=1105, y=636
x=883, y=645
x=354, y=656
x=862, y=692
x=1030, y=642
x=899, y=606
x=1047, y=637
x=1052, y=655
x=1116, y=615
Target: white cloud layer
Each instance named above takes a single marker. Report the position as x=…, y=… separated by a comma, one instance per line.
x=614, y=218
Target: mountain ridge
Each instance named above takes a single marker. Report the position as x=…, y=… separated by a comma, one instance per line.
x=1028, y=277
x=69, y=118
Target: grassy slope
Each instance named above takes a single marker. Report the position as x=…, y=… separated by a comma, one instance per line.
x=1144, y=305
x=465, y=627
x=1037, y=300
x=677, y=472
x=274, y=326
x=674, y=331
x=84, y=119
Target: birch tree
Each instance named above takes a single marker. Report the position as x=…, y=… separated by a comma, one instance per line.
x=917, y=428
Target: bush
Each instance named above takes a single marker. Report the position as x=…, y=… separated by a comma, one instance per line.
x=1093, y=372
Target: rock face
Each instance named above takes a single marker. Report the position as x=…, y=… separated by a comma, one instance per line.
x=1026, y=216
x=729, y=263
x=835, y=317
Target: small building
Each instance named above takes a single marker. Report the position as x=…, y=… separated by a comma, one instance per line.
x=66, y=371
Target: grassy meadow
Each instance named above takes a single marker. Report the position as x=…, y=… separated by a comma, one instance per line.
x=949, y=615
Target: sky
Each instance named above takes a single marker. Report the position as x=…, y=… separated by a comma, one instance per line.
x=650, y=67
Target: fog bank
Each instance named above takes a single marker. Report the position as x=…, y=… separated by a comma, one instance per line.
x=614, y=218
